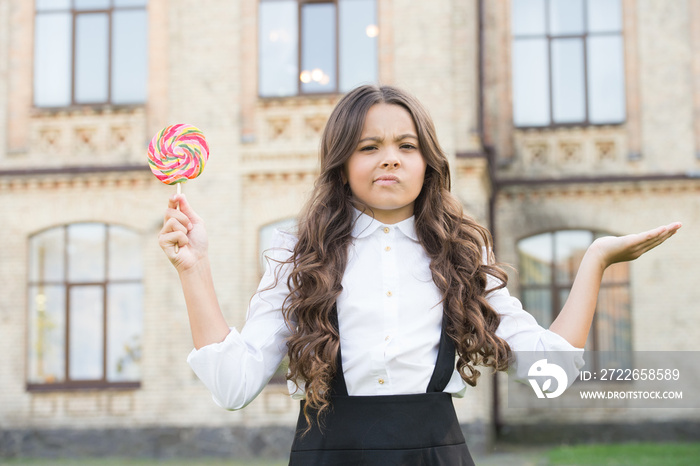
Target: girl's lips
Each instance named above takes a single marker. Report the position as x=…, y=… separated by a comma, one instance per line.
x=386, y=180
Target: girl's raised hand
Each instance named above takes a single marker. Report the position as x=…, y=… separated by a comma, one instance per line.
x=612, y=249
x=185, y=228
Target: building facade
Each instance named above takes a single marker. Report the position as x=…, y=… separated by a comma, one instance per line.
x=561, y=123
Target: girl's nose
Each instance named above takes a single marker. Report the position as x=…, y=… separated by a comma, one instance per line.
x=391, y=160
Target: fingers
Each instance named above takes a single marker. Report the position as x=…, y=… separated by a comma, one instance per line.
x=650, y=239
x=179, y=217
x=169, y=240
x=174, y=224
x=660, y=238
x=185, y=215
x=181, y=201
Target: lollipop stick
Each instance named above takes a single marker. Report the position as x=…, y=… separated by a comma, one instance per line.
x=179, y=191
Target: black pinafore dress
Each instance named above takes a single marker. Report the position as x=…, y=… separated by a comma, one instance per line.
x=386, y=430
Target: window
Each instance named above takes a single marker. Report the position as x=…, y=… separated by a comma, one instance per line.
x=567, y=62
x=85, y=307
x=310, y=47
x=90, y=52
x=548, y=266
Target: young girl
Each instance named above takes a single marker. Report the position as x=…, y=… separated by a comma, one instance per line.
x=385, y=284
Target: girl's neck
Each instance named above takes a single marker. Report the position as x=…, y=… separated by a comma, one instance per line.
x=387, y=217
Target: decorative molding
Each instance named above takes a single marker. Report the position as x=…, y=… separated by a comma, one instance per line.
x=314, y=125
x=277, y=129
x=606, y=187
x=302, y=176
x=581, y=150
x=125, y=177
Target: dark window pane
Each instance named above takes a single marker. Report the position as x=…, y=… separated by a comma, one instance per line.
x=530, y=83
x=46, y=256
x=606, y=79
x=91, y=58
x=604, y=15
x=617, y=273
x=86, y=252
x=569, y=247
x=124, y=254
x=568, y=85
x=358, y=43
x=91, y=4
x=129, y=56
x=539, y=304
x=124, y=323
x=121, y=3
x=278, y=38
x=535, y=255
x=86, y=317
x=613, y=319
x=318, y=61
x=47, y=334
x=52, y=60
x=566, y=17
x=563, y=296
x=49, y=5
x=528, y=17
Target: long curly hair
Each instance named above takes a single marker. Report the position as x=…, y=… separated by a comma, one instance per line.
x=453, y=241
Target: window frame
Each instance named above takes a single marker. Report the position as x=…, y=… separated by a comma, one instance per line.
x=299, y=91
x=67, y=383
x=549, y=37
x=73, y=45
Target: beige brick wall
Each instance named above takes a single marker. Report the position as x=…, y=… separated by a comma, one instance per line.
x=202, y=70
x=663, y=296
x=4, y=63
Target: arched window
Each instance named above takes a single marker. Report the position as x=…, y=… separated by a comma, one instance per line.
x=85, y=307
x=548, y=266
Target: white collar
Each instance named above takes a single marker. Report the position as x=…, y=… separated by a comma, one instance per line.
x=365, y=225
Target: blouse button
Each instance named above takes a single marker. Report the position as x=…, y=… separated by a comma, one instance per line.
x=389, y=293
x=387, y=249
x=386, y=229
x=381, y=381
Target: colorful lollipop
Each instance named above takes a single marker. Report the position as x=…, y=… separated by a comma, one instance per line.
x=178, y=153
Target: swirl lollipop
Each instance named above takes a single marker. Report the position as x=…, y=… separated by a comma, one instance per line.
x=176, y=154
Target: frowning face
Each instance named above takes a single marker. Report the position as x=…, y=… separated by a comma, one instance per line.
x=386, y=170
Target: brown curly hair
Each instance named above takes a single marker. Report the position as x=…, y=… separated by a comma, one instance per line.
x=452, y=240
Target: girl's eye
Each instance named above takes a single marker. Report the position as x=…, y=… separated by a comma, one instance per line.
x=367, y=148
x=408, y=146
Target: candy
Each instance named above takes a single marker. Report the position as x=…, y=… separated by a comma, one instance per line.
x=178, y=153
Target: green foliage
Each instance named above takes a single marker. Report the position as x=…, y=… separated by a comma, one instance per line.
x=633, y=454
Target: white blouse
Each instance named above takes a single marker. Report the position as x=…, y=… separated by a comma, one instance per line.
x=389, y=316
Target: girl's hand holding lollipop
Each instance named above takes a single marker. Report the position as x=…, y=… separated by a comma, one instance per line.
x=178, y=153
x=183, y=237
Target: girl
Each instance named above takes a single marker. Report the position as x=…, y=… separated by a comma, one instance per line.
x=384, y=285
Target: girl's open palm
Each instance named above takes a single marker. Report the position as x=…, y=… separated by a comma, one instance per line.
x=612, y=249
x=186, y=229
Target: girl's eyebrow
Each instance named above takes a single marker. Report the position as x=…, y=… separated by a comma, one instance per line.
x=398, y=138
